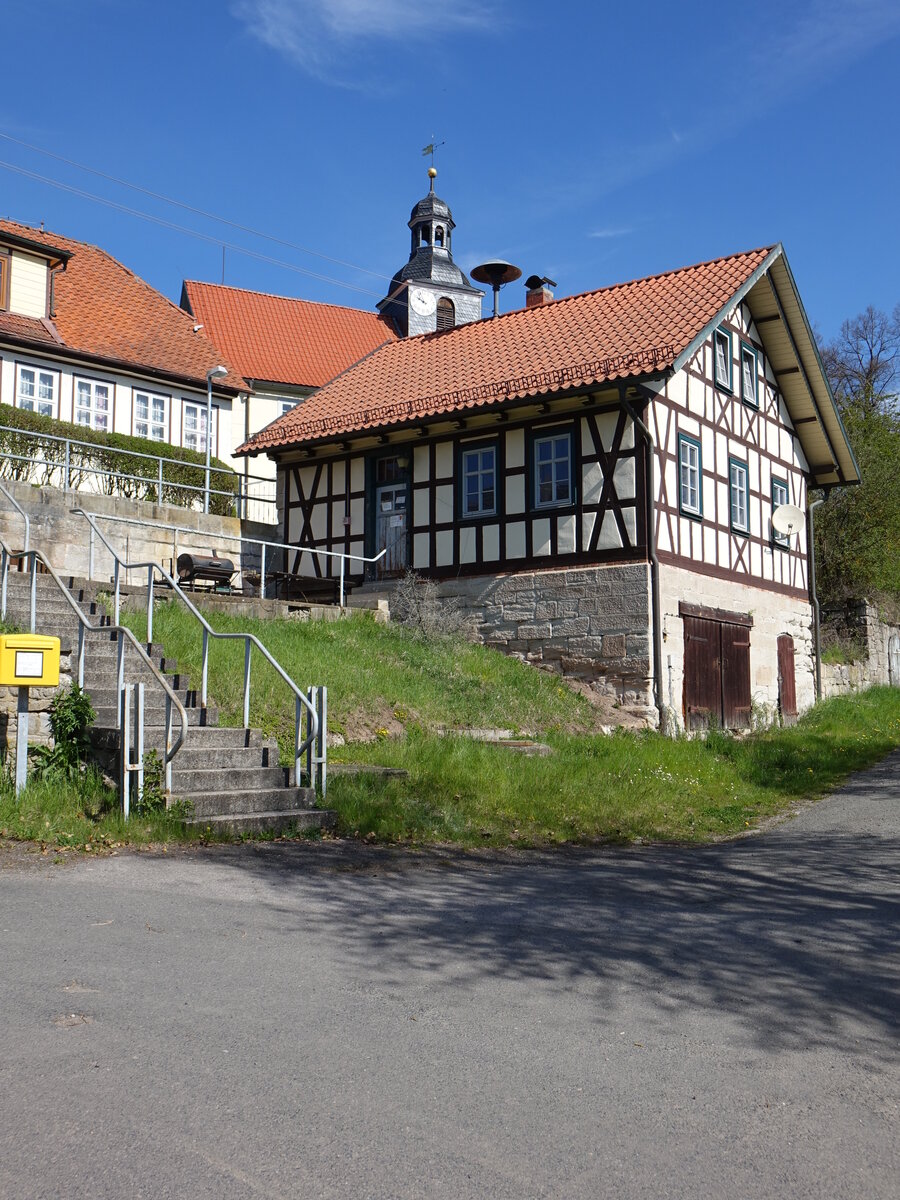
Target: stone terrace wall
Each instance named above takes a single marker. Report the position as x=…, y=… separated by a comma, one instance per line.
x=65, y=538
x=592, y=623
x=859, y=622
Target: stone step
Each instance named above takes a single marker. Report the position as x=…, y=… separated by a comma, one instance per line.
x=241, y=802
x=204, y=741
x=284, y=823
x=155, y=716
x=241, y=780
x=201, y=756
x=106, y=695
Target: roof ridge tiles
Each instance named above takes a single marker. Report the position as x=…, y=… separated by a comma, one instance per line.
x=225, y=287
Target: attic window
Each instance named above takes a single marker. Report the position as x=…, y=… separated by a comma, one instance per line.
x=722, y=344
x=446, y=314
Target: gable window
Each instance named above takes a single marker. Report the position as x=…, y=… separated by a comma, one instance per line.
x=479, y=481
x=36, y=391
x=193, y=433
x=93, y=404
x=553, y=470
x=722, y=345
x=690, y=473
x=739, y=480
x=151, y=416
x=780, y=495
x=446, y=313
x=749, y=378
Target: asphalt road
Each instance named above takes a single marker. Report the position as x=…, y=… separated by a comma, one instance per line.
x=296, y=1021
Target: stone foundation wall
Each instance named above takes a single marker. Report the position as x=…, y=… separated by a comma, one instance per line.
x=773, y=614
x=859, y=623
x=592, y=623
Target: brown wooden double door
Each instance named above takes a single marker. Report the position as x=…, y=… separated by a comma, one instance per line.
x=716, y=670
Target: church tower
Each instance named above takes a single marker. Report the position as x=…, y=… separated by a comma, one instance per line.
x=431, y=292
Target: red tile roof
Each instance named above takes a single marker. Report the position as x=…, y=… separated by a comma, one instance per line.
x=629, y=329
x=104, y=311
x=282, y=340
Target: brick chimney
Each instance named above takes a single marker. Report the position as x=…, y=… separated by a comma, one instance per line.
x=538, y=290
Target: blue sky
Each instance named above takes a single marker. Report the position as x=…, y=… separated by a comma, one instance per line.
x=590, y=143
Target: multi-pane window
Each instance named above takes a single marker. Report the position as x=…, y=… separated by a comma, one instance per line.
x=690, y=496
x=722, y=344
x=93, y=404
x=286, y=406
x=740, y=494
x=479, y=480
x=780, y=495
x=553, y=470
x=194, y=429
x=151, y=416
x=749, y=392
x=36, y=391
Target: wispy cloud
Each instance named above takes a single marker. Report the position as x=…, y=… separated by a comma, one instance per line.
x=610, y=232
x=318, y=34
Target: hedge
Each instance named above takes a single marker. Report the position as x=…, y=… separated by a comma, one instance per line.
x=41, y=460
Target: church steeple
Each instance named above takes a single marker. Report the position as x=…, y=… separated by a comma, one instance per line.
x=430, y=292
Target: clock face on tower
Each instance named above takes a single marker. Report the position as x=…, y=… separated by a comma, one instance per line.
x=422, y=301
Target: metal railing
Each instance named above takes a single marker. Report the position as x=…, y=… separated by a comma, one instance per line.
x=302, y=744
x=196, y=536
x=124, y=637
x=71, y=468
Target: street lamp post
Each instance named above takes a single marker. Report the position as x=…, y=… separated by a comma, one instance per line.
x=211, y=374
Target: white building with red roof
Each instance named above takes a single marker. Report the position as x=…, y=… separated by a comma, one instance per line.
x=595, y=477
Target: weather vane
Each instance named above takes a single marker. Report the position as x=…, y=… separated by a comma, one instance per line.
x=430, y=149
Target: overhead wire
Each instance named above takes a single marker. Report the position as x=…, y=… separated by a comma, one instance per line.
x=200, y=212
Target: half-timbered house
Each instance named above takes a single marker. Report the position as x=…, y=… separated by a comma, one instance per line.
x=596, y=477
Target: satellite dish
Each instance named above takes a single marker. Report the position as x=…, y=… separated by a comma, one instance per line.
x=788, y=519
x=496, y=273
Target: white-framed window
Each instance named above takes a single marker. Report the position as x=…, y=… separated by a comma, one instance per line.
x=722, y=347
x=739, y=478
x=93, y=404
x=749, y=381
x=151, y=416
x=479, y=481
x=690, y=474
x=194, y=428
x=780, y=495
x=37, y=390
x=286, y=406
x=553, y=470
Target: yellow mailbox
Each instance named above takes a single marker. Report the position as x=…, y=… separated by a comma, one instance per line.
x=29, y=660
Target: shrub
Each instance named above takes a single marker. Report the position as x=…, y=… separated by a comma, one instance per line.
x=29, y=454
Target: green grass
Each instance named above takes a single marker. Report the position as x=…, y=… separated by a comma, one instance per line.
x=80, y=814
x=619, y=788
x=400, y=689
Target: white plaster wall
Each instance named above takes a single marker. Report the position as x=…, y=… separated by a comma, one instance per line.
x=773, y=614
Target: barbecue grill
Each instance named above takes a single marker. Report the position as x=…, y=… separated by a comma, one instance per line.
x=205, y=568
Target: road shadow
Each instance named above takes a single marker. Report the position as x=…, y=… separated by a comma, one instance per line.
x=794, y=933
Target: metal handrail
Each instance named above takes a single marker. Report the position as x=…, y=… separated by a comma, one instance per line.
x=300, y=744
x=262, y=542
x=66, y=467
x=123, y=635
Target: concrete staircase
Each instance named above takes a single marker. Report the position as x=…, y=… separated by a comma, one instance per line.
x=230, y=777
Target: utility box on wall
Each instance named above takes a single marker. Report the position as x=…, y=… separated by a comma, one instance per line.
x=29, y=660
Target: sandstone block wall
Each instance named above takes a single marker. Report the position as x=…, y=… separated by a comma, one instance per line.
x=592, y=623
x=860, y=622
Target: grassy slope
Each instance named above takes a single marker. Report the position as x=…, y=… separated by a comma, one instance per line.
x=592, y=787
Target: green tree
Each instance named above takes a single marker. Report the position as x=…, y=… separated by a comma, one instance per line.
x=858, y=529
